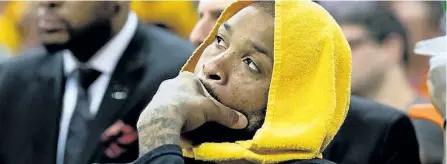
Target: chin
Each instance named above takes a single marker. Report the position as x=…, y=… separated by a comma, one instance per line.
x=54, y=38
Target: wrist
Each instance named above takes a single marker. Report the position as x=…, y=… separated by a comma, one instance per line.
x=159, y=125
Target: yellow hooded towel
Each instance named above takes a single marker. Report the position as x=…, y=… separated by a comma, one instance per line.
x=309, y=91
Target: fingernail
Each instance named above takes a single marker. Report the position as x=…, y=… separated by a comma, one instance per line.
x=242, y=121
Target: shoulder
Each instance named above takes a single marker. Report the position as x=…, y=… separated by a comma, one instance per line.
x=374, y=113
x=22, y=64
x=168, y=41
x=162, y=44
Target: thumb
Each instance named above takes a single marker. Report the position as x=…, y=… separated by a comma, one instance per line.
x=228, y=117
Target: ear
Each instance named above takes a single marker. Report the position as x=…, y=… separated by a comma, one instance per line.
x=393, y=47
x=120, y=6
x=113, y=8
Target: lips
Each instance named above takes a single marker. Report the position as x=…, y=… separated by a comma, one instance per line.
x=50, y=24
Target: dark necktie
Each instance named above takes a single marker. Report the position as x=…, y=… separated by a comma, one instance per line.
x=78, y=128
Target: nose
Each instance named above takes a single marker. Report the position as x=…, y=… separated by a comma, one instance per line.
x=199, y=33
x=214, y=72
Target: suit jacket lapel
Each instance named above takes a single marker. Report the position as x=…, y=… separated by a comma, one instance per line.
x=49, y=82
x=126, y=77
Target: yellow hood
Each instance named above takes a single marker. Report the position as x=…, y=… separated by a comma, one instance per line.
x=309, y=91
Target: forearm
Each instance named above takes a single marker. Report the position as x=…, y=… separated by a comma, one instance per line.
x=159, y=126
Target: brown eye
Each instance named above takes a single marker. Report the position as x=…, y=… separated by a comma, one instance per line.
x=251, y=64
x=220, y=42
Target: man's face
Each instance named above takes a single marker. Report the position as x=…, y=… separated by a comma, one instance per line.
x=236, y=68
x=367, y=59
x=209, y=11
x=58, y=22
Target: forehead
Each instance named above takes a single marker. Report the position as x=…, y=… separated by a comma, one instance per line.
x=213, y=5
x=252, y=18
x=253, y=24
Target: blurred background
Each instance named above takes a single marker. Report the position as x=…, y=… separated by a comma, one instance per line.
x=382, y=37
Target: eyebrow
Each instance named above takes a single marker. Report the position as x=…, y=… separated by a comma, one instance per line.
x=259, y=48
x=227, y=27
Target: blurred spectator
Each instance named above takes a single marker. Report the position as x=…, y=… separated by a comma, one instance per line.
x=422, y=19
x=177, y=16
x=79, y=102
x=372, y=133
x=436, y=49
x=208, y=11
x=379, y=51
x=380, y=57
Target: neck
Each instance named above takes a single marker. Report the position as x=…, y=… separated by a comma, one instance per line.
x=85, y=46
x=395, y=90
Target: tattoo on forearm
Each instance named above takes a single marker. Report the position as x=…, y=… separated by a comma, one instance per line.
x=159, y=127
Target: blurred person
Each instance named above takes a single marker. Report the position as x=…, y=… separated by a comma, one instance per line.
x=249, y=65
x=422, y=19
x=379, y=59
x=368, y=134
x=209, y=12
x=434, y=112
x=79, y=102
x=177, y=16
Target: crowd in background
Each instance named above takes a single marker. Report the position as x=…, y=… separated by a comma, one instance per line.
x=382, y=37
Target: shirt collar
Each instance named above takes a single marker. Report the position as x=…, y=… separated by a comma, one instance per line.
x=106, y=59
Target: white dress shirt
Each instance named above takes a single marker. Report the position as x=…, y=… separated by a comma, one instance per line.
x=104, y=61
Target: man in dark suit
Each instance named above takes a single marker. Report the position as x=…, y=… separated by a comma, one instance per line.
x=379, y=44
x=374, y=134
x=371, y=134
x=102, y=68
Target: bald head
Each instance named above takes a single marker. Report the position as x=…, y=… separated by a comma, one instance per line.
x=209, y=11
x=266, y=6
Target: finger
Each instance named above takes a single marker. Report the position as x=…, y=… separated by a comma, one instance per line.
x=109, y=152
x=127, y=129
x=128, y=138
x=186, y=74
x=112, y=130
x=191, y=82
x=232, y=119
x=226, y=116
x=115, y=150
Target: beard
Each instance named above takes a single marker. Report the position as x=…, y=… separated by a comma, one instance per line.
x=84, y=42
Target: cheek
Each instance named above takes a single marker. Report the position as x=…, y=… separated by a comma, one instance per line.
x=248, y=94
x=80, y=21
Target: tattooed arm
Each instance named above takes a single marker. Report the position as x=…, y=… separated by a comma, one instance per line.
x=180, y=105
x=159, y=126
